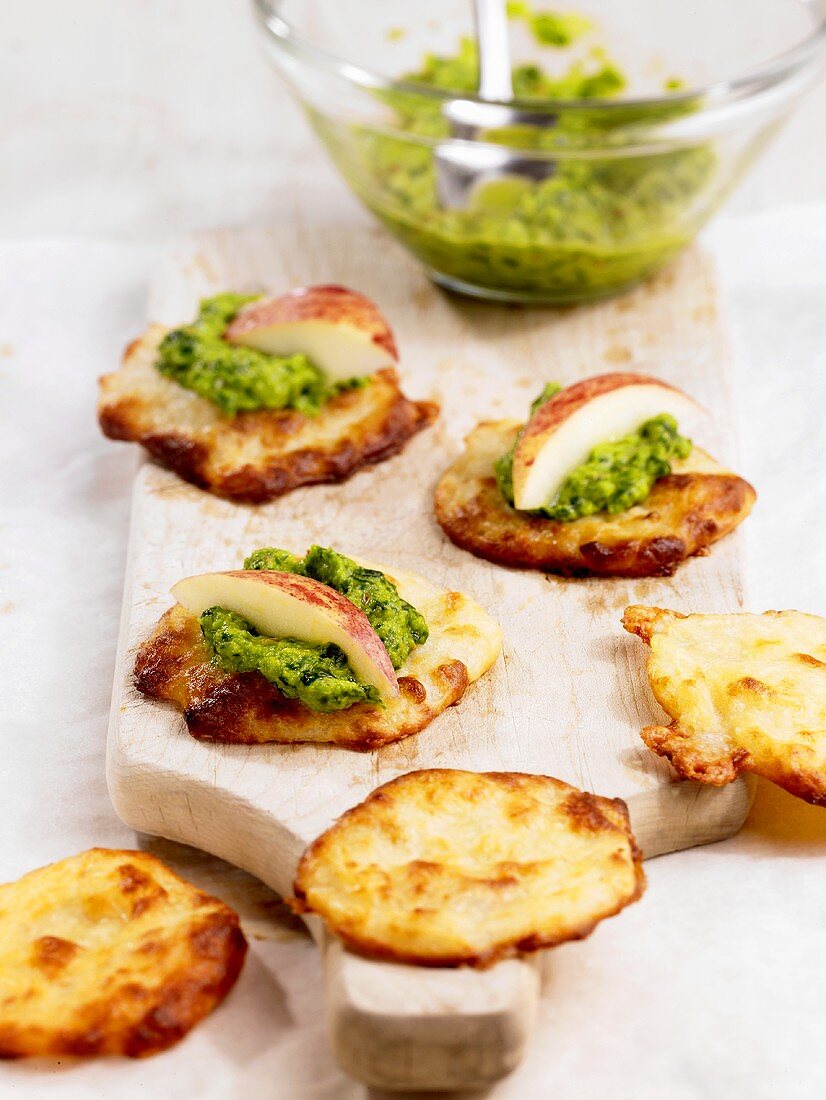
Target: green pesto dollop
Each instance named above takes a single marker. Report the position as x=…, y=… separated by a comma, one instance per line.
x=239, y=379
x=595, y=224
x=320, y=677
x=399, y=625
x=616, y=475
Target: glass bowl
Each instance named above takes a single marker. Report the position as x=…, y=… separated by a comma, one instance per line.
x=639, y=128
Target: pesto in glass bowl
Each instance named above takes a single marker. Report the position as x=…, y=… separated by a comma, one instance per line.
x=623, y=181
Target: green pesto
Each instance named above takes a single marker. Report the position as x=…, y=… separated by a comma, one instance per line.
x=550, y=28
x=399, y=625
x=593, y=226
x=320, y=677
x=616, y=475
x=239, y=379
x=591, y=78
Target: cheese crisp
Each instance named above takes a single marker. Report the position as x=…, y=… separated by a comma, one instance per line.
x=245, y=708
x=686, y=511
x=451, y=868
x=744, y=692
x=253, y=456
x=109, y=952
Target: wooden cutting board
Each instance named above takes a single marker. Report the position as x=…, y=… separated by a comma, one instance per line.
x=569, y=697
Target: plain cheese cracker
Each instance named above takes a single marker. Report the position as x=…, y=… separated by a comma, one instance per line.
x=745, y=692
x=110, y=952
x=450, y=868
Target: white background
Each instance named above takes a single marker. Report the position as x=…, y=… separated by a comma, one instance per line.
x=125, y=123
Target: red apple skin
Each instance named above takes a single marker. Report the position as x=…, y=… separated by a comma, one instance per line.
x=549, y=416
x=337, y=305
x=352, y=618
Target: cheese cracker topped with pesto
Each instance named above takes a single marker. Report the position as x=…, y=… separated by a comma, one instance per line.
x=321, y=648
x=257, y=396
x=601, y=480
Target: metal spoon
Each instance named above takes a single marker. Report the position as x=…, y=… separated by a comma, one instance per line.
x=465, y=162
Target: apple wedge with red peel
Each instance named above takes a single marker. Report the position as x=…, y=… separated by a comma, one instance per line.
x=284, y=605
x=562, y=433
x=339, y=330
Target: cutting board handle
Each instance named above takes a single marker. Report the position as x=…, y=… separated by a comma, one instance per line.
x=412, y=1028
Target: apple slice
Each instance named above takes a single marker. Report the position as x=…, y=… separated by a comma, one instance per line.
x=284, y=605
x=341, y=331
x=562, y=433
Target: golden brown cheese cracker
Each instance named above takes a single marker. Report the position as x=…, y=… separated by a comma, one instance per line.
x=451, y=868
x=245, y=708
x=253, y=456
x=745, y=692
x=110, y=952
x=686, y=511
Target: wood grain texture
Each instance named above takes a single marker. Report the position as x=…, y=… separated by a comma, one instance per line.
x=568, y=699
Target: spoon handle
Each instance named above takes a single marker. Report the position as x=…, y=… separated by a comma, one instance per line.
x=494, y=52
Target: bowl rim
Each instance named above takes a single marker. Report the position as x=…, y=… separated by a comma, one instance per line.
x=785, y=65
